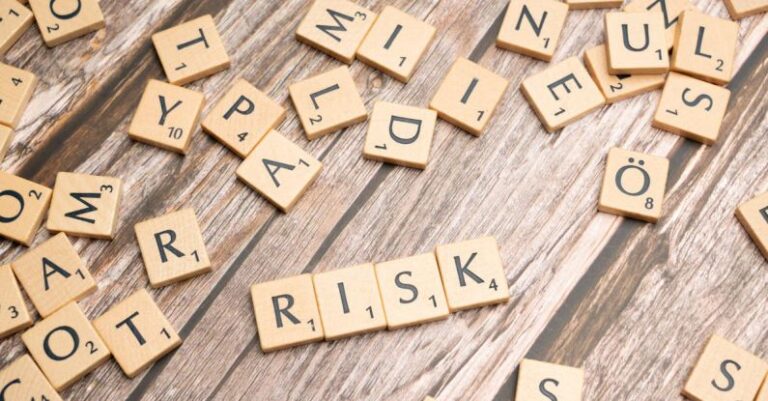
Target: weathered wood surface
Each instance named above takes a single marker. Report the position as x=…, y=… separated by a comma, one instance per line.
x=630, y=302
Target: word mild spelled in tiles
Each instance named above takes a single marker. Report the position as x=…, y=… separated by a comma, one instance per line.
x=547, y=381
x=60, y=23
x=14, y=315
x=16, y=88
x=618, y=87
x=335, y=27
x=14, y=21
x=753, y=215
x=635, y=43
x=533, y=27
x=706, y=47
x=85, y=205
x=22, y=207
x=23, y=380
x=400, y=134
x=634, y=185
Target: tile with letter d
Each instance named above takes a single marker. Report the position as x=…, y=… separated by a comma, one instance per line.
x=745, y=8
x=16, y=88
x=542, y=381
x=336, y=28
x=668, y=10
x=60, y=22
x=533, y=27
x=22, y=207
x=85, y=205
x=618, y=87
x=14, y=21
x=706, y=47
x=636, y=43
x=753, y=215
x=586, y=4
x=400, y=134
x=634, y=185
x=14, y=315
x=23, y=380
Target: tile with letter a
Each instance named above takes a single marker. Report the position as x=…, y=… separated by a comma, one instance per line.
x=668, y=10
x=585, y=4
x=706, y=48
x=533, y=27
x=137, y=332
x=725, y=372
x=65, y=346
x=22, y=207
x=6, y=136
x=279, y=170
x=286, y=313
x=617, y=87
x=14, y=21
x=85, y=205
x=753, y=215
x=335, y=27
x=23, y=380
x=542, y=380
x=172, y=247
x=636, y=43
x=191, y=51
x=14, y=315
x=691, y=108
x=562, y=94
x=400, y=134
x=634, y=185
x=745, y=8
x=62, y=21
x=472, y=273
x=16, y=88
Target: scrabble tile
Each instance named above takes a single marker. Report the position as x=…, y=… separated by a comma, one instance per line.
x=137, y=332
x=691, y=108
x=60, y=24
x=725, y=372
x=668, y=10
x=22, y=207
x=279, y=170
x=14, y=21
x=167, y=116
x=396, y=43
x=23, y=380
x=472, y=273
x=349, y=301
x=635, y=43
x=763, y=394
x=243, y=117
x=172, y=248
x=6, y=137
x=706, y=48
x=745, y=8
x=16, y=88
x=411, y=291
x=400, y=134
x=468, y=96
x=634, y=185
x=618, y=87
x=585, y=4
x=327, y=102
x=286, y=313
x=191, y=50
x=65, y=346
x=532, y=27
x=85, y=205
x=14, y=315
x=753, y=215
x=541, y=381
x=429, y=399
x=562, y=94
x=335, y=27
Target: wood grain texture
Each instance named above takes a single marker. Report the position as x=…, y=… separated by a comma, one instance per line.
x=630, y=302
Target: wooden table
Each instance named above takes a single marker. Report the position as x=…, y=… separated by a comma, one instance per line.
x=630, y=302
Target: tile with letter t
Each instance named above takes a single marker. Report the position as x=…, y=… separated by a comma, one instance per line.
x=85, y=205
x=60, y=22
x=618, y=87
x=668, y=10
x=562, y=94
x=167, y=116
x=542, y=380
x=634, y=185
x=6, y=136
x=336, y=28
x=172, y=247
x=472, y=273
x=16, y=88
x=725, y=372
x=753, y=215
x=691, y=108
x=400, y=134
x=23, y=380
x=14, y=315
x=744, y=8
x=533, y=27
x=706, y=48
x=22, y=207
x=586, y=4
x=635, y=43
x=137, y=332
x=286, y=313
x=191, y=51
x=14, y=21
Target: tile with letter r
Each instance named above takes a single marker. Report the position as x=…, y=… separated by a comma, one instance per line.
x=706, y=47
x=16, y=88
x=634, y=185
x=533, y=27
x=14, y=315
x=336, y=28
x=14, y=21
x=636, y=43
x=586, y=4
x=400, y=134
x=23, y=204
x=618, y=87
x=85, y=205
x=60, y=22
x=542, y=380
x=753, y=215
x=23, y=380
x=744, y=8
x=668, y=10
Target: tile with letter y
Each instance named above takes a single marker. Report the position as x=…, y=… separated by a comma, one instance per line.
x=16, y=88
x=668, y=10
x=60, y=22
x=542, y=380
x=618, y=87
x=22, y=207
x=14, y=315
x=636, y=43
x=85, y=205
x=400, y=134
x=634, y=185
x=706, y=47
x=753, y=215
x=23, y=380
x=14, y=21
x=533, y=27
x=336, y=28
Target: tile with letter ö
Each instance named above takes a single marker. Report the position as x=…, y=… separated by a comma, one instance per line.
x=60, y=22
x=542, y=380
x=744, y=8
x=668, y=10
x=618, y=87
x=336, y=28
x=533, y=27
x=14, y=315
x=14, y=21
x=85, y=205
x=23, y=380
x=636, y=43
x=400, y=134
x=16, y=88
x=634, y=185
x=22, y=207
x=706, y=47
x=753, y=215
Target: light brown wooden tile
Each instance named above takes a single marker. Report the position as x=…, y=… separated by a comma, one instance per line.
x=542, y=381
x=618, y=87
x=136, y=332
x=636, y=44
x=6, y=137
x=191, y=50
x=472, y=273
x=327, y=102
x=286, y=313
x=22, y=207
x=14, y=21
x=763, y=394
x=172, y=247
x=634, y=185
x=532, y=27
x=585, y=4
x=23, y=380
x=60, y=23
x=335, y=27
x=243, y=117
x=429, y=399
x=691, y=108
x=562, y=94
x=85, y=205
x=745, y=8
x=668, y=10
x=400, y=134
x=16, y=88
x=14, y=315
x=753, y=215
x=167, y=116
x=706, y=47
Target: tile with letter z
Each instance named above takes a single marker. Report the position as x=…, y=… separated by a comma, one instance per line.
x=14, y=315
x=634, y=185
x=400, y=134
x=22, y=207
x=542, y=380
x=23, y=380
x=336, y=28
x=60, y=22
x=533, y=27
x=85, y=205
x=753, y=215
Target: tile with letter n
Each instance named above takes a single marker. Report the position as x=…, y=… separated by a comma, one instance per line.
x=586, y=4
x=22, y=207
x=668, y=10
x=60, y=22
x=542, y=380
x=14, y=315
x=635, y=43
x=738, y=10
x=562, y=94
x=16, y=88
x=286, y=313
x=533, y=27
x=634, y=185
x=753, y=215
x=85, y=205
x=472, y=273
x=172, y=247
x=23, y=380
x=191, y=50
x=706, y=48
x=691, y=108
x=137, y=332
x=400, y=134
x=618, y=87
x=336, y=28
x=14, y=21
x=65, y=346
x=167, y=116
x=6, y=136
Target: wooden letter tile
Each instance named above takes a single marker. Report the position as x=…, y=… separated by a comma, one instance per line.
x=585, y=4
x=744, y=8
x=14, y=315
x=172, y=247
x=16, y=88
x=85, y=205
x=23, y=380
x=286, y=313
x=61, y=22
x=279, y=170
x=335, y=27
x=411, y=291
x=137, y=332
x=22, y=207
x=396, y=43
x=541, y=381
x=668, y=10
x=562, y=94
x=400, y=134
x=14, y=21
x=706, y=48
x=617, y=87
x=472, y=273
x=327, y=102
x=763, y=394
x=753, y=215
x=6, y=136
x=243, y=117
x=634, y=185
x=636, y=43
x=691, y=108
x=349, y=301
x=191, y=51
x=532, y=27
x=167, y=115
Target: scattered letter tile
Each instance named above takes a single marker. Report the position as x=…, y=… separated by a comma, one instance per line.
x=753, y=215
x=23, y=380
x=706, y=48
x=634, y=185
x=585, y=4
x=6, y=136
x=636, y=43
x=400, y=134
x=744, y=8
x=61, y=22
x=16, y=88
x=668, y=10
x=14, y=315
x=617, y=87
x=763, y=394
x=532, y=27
x=85, y=205
x=14, y=21
x=335, y=27
x=541, y=381
x=22, y=207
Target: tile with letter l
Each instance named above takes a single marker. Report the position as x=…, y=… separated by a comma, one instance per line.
x=16, y=88
x=634, y=185
x=85, y=205
x=636, y=43
x=336, y=28
x=60, y=22
x=753, y=215
x=706, y=47
x=14, y=315
x=668, y=10
x=14, y=21
x=23, y=380
x=533, y=27
x=618, y=87
x=400, y=134
x=745, y=8
x=542, y=380
x=22, y=207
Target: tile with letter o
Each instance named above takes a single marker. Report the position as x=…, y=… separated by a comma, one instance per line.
x=23, y=205
x=60, y=22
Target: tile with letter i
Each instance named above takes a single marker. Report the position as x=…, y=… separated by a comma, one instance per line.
x=586, y=4
x=400, y=134
x=137, y=333
x=753, y=215
x=533, y=27
x=191, y=51
x=635, y=43
x=16, y=88
x=63, y=21
x=14, y=315
x=22, y=207
x=542, y=380
x=745, y=8
x=691, y=108
x=23, y=380
x=725, y=372
x=85, y=205
x=6, y=136
x=634, y=185
x=706, y=47
x=336, y=28
x=618, y=87
x=286, y=313
x=14, y=21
